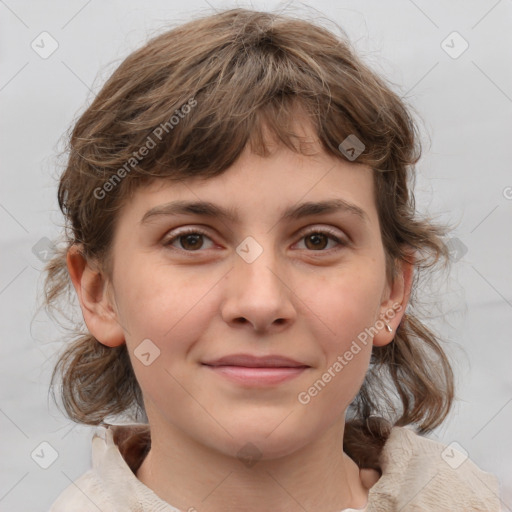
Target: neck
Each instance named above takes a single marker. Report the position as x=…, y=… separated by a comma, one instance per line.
x=190, y=475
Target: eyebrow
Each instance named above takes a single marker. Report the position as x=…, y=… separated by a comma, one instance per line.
x=296, y=212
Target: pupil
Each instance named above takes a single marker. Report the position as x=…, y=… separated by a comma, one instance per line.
x=316, y=238
x=194, y=244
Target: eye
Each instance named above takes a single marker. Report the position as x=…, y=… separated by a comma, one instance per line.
x=189, y=240
x=318, y=239
x=192, y=240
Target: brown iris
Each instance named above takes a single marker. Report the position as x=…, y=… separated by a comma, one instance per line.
x=196, y=241
x=319, y=240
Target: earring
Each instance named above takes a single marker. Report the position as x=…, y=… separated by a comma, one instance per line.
x=389, y=329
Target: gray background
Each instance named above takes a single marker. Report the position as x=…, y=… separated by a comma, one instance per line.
x=464, y=177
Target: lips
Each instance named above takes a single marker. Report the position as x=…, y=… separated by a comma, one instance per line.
x=251, y=371
x=251, y=361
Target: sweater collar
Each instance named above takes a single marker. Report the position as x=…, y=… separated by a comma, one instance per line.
x=416, y=472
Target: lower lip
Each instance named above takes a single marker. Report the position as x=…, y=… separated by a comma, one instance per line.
x=257, y=376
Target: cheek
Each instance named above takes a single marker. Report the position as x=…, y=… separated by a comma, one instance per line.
x=344, y=304
x=172, y=310
x=341, y=310
x=163, y=304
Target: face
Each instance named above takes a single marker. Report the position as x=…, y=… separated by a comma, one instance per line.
x=189, y=288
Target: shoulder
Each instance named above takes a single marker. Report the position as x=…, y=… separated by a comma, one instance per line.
x=108, y=486
x=111, y=485
x=85, y=495
x=420, y=474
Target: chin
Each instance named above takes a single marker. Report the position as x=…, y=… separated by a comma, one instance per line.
x=255, y=443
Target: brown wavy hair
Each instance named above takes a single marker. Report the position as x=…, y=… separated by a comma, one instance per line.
x=247, y=74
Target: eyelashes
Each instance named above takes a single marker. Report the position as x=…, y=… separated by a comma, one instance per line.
x=324, y=232
x=194, y=236
x=184, y=234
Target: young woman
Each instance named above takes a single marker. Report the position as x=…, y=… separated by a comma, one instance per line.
x=245, y=249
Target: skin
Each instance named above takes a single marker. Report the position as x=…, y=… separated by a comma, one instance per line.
x=295, y=299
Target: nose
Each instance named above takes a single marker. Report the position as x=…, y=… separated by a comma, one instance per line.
x=258, y=295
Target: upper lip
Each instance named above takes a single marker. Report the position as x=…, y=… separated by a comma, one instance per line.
x=248, y=360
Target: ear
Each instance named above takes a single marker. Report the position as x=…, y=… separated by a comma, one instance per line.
x=396, y=297
x=92, y=289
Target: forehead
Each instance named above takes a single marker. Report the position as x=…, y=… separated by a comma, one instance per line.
x=285, y=184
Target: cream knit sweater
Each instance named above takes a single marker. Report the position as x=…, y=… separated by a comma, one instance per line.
x=418, y=474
